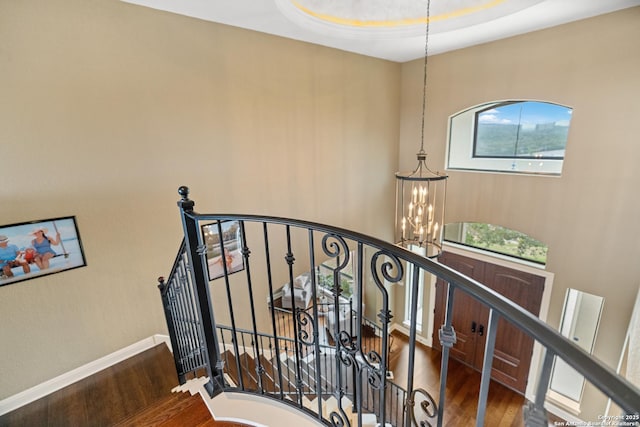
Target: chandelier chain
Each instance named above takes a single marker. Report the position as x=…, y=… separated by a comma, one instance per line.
x=420, y=195
x=424, y=74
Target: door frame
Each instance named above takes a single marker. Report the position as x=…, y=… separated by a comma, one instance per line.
x=505, y=261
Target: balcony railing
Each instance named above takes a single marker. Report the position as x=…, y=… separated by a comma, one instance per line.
x=226, y=318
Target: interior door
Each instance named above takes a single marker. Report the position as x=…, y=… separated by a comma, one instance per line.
x=513, y=349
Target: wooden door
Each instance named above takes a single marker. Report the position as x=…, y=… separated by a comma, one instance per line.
x=464, y=321
x=513, y=349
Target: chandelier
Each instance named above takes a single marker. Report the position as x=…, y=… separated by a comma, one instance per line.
x=420, y=194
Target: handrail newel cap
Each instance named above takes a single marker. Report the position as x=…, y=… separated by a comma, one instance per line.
x=185, y=203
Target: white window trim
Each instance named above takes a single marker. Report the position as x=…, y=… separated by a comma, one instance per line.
x=459, y=156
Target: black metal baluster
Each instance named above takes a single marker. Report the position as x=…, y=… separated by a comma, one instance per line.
x=273, y=309
x=358, y=368
x=224, y=355
x=486, y=366
x=415, y=279
x=245, y=256
x=286, y=361
x=385, y=318
x=290, y=259
x=316, y=325
x=273, y=373
x=447, y=336
x=191, y=318
x=334, y=249
x=230, y=302
x=180, y=335
x=173, y=336
x=534, y=413
x=183, y=336
x=264, y=372
x=243, y=358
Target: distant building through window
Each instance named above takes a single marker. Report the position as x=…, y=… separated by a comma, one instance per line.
x=510, y=136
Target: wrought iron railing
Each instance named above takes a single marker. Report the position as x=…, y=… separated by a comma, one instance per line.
x=230, y=271
x=183, y=317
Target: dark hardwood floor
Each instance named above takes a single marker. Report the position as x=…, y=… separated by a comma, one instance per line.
x=115, y=395
x=106, y=397
x=504, y=406
x=135, y=392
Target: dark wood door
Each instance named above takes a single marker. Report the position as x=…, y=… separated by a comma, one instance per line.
x=465, y=322
x=513, y=349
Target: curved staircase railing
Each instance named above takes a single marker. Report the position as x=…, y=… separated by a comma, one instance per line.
x=231, y=270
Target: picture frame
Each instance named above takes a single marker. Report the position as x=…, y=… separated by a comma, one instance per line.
x=39, y=248
x=231, y=241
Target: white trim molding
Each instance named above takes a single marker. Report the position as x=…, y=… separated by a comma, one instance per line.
x=34, y=393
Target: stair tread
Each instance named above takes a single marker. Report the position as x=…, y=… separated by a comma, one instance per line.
x=179, y=409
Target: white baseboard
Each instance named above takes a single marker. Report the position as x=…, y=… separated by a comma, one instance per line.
x=39, y=391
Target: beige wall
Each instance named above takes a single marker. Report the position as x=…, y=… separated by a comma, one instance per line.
x=106, y=108
x=589, y=216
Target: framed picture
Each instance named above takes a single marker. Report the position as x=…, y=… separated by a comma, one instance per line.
x=230, y=242
x=37, y=248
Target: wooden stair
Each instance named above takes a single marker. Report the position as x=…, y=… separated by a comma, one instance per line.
x=269, y=385
x=248, y=370
x=177, y=410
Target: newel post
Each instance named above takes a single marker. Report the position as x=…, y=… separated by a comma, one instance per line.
x=194, y=249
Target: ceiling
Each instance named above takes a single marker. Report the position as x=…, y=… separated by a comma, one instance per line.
x=396, y=32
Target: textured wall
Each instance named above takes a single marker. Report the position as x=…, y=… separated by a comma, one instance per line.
x=106, y=108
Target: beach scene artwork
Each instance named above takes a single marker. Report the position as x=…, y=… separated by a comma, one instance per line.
x=37, y=248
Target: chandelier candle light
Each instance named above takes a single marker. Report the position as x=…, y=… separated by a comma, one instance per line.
x=420, y=195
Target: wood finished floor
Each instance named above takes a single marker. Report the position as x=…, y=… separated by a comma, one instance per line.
x=118, y=392
x=504, y=406
x=106, y=397
x=135, y=392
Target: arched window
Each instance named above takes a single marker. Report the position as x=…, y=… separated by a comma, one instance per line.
x=510, y=136
x=496, y=239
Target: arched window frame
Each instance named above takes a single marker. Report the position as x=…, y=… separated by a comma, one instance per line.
x=461, y=150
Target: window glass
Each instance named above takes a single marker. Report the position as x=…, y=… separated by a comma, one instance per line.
x=325, y=276
x=494, y=238
x=510, y=136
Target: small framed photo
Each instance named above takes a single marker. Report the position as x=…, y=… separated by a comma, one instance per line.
x=223, y=240
x=38, y=248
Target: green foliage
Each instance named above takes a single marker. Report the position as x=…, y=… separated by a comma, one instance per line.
x=506, y=241
x=499, y=140
x=326, y=281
